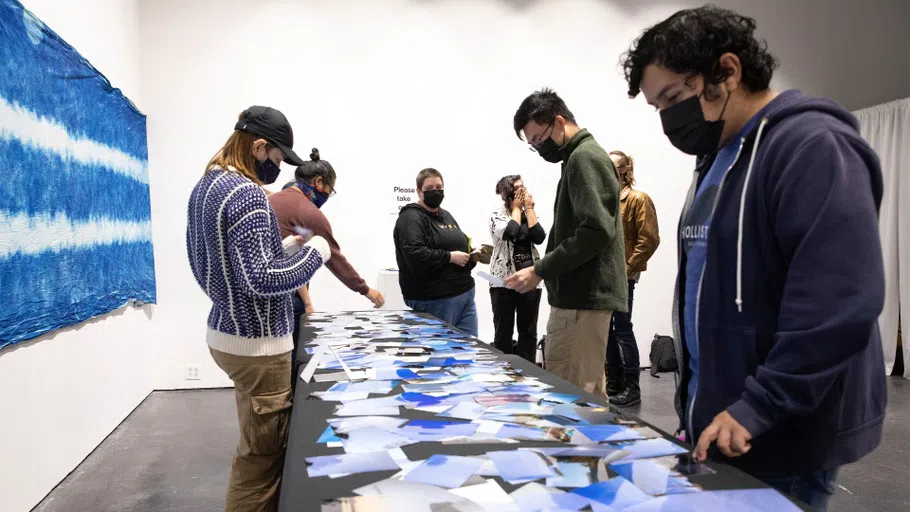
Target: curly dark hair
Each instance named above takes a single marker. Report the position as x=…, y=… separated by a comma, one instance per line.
x=505, y=187
x=690, y=43
x=542, y=107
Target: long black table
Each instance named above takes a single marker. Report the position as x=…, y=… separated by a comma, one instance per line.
x=308, y=421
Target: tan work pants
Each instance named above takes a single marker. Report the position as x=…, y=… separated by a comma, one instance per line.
x=576, y=347
x=263, y=392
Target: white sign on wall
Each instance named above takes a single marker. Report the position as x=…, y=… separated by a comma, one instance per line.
x=401, y=197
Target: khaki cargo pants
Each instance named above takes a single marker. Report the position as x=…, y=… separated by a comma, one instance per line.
x=263, y=392
x=576, y=347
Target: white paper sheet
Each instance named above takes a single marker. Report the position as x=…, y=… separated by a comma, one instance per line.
x=492, y=279
x=488, y=495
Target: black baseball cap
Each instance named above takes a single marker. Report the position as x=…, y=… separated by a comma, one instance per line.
x=271, y=125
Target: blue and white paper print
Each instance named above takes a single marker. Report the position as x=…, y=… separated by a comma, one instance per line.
x=75, y=216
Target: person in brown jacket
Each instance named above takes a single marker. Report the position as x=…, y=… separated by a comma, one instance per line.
x=639, y=219
x=298, y=206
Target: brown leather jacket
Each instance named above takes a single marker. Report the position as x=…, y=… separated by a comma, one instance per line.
x=639, y=220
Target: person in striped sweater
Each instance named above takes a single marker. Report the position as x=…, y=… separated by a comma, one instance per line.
x=238, y=257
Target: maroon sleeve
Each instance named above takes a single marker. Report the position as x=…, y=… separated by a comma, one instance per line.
x=338, y=264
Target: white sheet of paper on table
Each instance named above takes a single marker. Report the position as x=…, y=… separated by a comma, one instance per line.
x=372, y=439
x=311, y=366
x=341, y=396
x=337, y=376
x=354, y=409
x=346, y=425
x=413, y=490
x=488, y=495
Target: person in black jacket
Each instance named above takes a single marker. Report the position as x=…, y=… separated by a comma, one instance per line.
x=515, y=232
x=434, y=261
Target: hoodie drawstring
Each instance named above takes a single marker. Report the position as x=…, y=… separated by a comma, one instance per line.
x=742, y=207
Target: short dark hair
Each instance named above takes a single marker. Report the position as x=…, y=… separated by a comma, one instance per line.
x=542, y=107
x=429, y=172
x=316, y=168
x=691, y=41
x=505, y=187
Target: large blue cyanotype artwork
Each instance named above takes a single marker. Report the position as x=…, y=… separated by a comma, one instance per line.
x=75, y=216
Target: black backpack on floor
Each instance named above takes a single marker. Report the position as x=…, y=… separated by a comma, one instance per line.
x=663, y=355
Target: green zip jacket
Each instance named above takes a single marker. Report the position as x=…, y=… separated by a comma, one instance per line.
x=585, y=266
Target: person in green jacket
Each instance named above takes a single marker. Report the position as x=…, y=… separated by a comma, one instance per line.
x=584, y=268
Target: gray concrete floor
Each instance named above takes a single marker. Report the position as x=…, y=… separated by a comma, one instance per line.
x=174, y=454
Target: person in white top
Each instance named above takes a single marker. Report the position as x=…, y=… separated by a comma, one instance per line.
x=515, y=231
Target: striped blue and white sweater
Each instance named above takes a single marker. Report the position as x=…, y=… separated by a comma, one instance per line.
x=237, y=256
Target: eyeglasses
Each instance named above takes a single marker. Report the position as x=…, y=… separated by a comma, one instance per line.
x=540, y=140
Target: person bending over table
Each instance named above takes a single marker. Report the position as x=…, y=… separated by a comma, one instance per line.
x=515, y=232
x=238, y=257
x=434, y=260
x=298, y=206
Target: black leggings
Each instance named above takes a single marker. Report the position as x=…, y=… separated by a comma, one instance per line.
x=506, y=303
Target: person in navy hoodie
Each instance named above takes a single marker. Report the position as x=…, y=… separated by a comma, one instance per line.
x=781, y=280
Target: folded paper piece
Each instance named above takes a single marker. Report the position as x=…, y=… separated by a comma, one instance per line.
x=649, y=448
x=381, y=503
x=418, y=496
x=447, y=471
x=595, y=415
x=684, y=465
x=521, y=465
x=615, y=433
x=368, y=386
x=495, y=281
x=357, y=409
x=488, y=495
x=574, y=474
x=742, y=500
x=560, y=398
x=533, y=497
x=318, y=354
x=653, y=478
x=595, y=450
x=350, y=463
x=465, y=411
x=617, y=493
x=344, y=396
x=346, y=425
x=372, y=439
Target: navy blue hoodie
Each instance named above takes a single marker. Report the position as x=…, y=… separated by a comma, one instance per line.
x=791, y=293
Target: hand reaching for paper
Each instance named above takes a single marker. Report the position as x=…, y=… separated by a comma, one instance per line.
x=376, y=298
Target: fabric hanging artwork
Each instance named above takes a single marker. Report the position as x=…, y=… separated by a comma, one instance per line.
x=75, y=215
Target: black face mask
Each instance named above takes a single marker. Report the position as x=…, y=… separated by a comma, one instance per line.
x=685, y=125
x=433, y=198
x=267, y=171
x=549, y=151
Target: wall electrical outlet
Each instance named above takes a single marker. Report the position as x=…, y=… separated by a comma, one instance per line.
x=192, y=372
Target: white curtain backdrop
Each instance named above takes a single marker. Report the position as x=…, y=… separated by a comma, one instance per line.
x=887, y=128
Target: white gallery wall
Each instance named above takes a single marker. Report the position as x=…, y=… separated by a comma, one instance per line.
x=384, y=89
x=65, y=391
